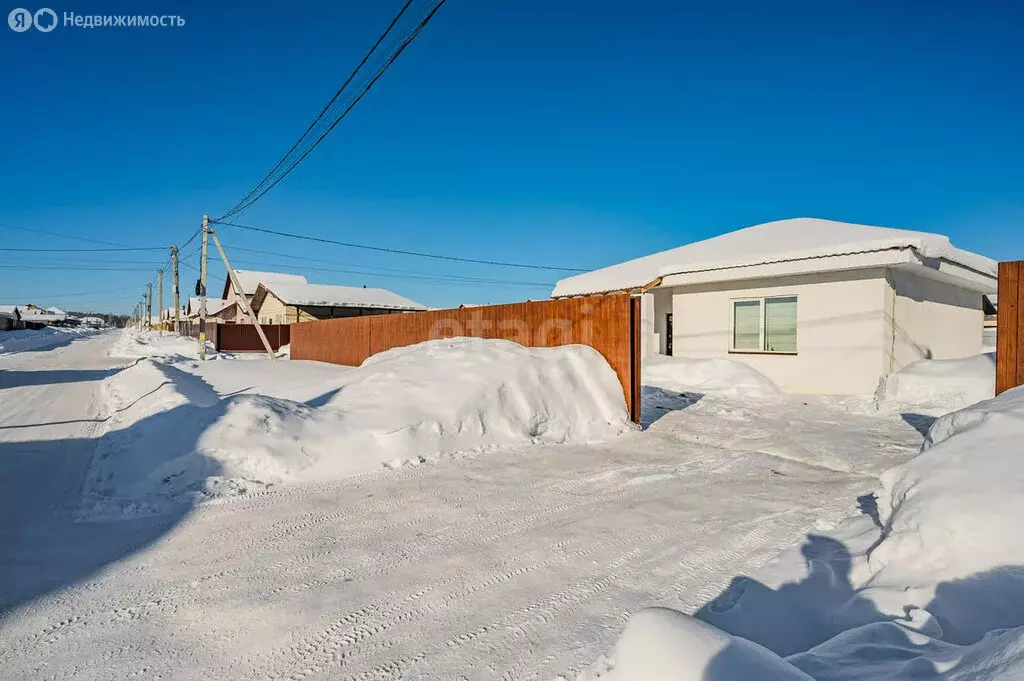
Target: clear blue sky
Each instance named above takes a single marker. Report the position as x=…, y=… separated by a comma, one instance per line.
x=567, y=133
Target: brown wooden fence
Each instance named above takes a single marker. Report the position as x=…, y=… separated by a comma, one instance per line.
x=1010, y=326
x=243, y=337
x=609, y=324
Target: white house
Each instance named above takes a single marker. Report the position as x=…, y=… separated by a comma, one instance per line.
x=817, y=306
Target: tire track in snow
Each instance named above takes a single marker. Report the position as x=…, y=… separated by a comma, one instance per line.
x=168, y=601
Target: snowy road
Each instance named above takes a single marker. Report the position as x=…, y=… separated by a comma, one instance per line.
x=516, y=564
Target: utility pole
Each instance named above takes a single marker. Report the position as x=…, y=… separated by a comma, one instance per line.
x=149, y=306
x=174, y=276
x=160, y=297
x=242, y=300
x=202, y=292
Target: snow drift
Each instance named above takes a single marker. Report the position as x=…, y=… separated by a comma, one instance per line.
x=928, y=585
x=178, y=441
x=940, y=385
x=706, y=376
x=134, y=344
x=25, y=340
x=660, y=644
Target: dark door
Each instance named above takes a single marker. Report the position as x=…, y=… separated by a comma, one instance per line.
x=668, y=334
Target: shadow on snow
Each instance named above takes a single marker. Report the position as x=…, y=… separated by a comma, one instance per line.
x=44, y=548
x=656, y=402
x=795, y=618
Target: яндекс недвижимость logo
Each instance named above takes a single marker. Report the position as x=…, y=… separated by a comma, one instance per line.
x=45, y=20
x=21, y=20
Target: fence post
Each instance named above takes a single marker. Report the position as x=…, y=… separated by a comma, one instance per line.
x=635, y=368
x=1010, y=327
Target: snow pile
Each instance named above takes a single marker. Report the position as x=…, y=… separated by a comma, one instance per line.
x=40, y=339
x=953, y=513
x=706, y=376
x=665, y=645
x=927, y=585
x=180, y=441
x=940, y=385
x=133, y=344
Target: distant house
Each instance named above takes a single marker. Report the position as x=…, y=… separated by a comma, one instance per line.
x=35, y=317
x=290, y=302
x=817, y=306
x=990, y=306
x=249, y=280
x=10, y=318
x=213, y=307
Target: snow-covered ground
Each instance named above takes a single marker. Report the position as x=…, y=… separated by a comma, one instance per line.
x=26, y=340
x=520, y=559
x=216, y=438
x=927, y=582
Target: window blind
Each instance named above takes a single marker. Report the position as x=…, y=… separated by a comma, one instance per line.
x=746, y=325
x=780, y=324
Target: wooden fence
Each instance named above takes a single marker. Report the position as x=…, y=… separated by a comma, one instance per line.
x=1010, y=329
x=609, y=324
x=243, y=337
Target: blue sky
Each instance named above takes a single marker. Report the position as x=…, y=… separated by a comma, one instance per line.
x=564, y=133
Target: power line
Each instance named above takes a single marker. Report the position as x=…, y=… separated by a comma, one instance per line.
x=64, y=236
x=376, y=269
x=50, y=296
x=21, y=266
x=398, y=251
x=84, y=250
x=256, y=193
x=438, y=278
x=190, y=239
x=324, y=110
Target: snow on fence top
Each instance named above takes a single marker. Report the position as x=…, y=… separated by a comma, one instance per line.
x=780, y=241
x=316, y=295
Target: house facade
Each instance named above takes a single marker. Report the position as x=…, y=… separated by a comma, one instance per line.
x=289, y=303
x=816, y=306
x=10, y=318
x=249, y=281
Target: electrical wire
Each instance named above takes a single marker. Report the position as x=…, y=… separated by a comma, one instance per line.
x=21, y=267
x=83, y=250
x=399, y=251
x=256, y=193
x=376, y=269
x=323, y=111
x=64, y=236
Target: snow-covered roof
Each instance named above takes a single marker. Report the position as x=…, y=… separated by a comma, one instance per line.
x=10, y=310
x=38, y=314
x=796, y=239
x=213, y=306
x=250, y=279
x=324, y=295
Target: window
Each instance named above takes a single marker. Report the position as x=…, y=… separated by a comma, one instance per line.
x=764, y=325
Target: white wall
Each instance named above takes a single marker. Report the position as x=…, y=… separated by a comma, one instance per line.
x=930, y=320
x=840, y=329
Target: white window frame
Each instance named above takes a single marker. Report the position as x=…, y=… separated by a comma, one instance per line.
x=761, y=326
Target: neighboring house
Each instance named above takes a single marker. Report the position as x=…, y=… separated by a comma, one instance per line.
x=10, y=318
x=990, y=306
x=817, y=306
x=290, y=302
x=94, y=322
x=249, y=280
x=213, y=306
x=34, y=317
